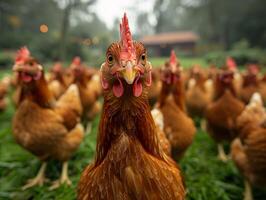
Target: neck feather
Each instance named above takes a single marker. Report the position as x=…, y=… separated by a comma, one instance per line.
x=126, y=115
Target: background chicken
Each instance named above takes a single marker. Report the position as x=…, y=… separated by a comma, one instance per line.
x=4, y=87
x=155, y=89
x=88, y=90
x=222, y=113
x=57, y=82
x=129, y=161
x=178, y=127
x=249, y=150
x=48, y=129
x=250, y=83
x=199, y=92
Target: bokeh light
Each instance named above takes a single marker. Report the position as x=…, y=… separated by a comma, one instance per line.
x=44, y=28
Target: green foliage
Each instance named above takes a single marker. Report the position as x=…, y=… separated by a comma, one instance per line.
x=6, y=59
x=241, y=56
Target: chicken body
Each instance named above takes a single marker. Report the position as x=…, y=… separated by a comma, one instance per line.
x=221, y=114
x=249, y=150
x=249, y=87
x=53, y=133
x=198, y=95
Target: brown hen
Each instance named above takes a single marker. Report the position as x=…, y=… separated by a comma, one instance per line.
x=88, y=90
x=178, y=127
x=249, y=150
x=46, y=128
x=129, y=162
x=222, y=113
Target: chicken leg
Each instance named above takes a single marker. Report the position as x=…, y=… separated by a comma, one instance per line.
x=88, y=128
x=63, y=179
x=248, y=191
x=38, y=180
x=221, y=154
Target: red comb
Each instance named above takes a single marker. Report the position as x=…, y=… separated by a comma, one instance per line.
x=76, y=61
x=230, y=63
x=172, y=57
x=127, y=49
x=253, y=68
x=22, y=54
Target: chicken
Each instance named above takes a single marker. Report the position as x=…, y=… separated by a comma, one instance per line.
x=249, y=150
x=199, y=93
x=238, y=80
x=47, y=128
x=222, y=113
x=172, y=105
x=4, y=86
x=129, y=162
x=154, y=90
x=88, y=90
x=262, y=88
x=57, y=83
x=250, y=83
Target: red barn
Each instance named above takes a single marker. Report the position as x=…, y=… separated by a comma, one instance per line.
x=161, y=44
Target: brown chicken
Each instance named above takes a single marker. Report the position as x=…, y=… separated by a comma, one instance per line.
x=4, y=86
x=238, y=79
x=57, y=83
x=46, y=128
x=262, y=88
x=222, y=113
x=250, y=83
x=199, y=93
x=89, y=93
x=155, y=89
x=249, y=150
x=129, y=162
x=178, y=127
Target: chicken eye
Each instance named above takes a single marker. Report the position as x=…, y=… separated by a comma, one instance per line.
x=110, y=59
x=143, y=59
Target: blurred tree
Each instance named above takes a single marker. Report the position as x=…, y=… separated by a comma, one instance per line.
x=68, y=6
x=224, y=22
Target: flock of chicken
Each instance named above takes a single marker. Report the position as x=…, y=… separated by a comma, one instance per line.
x=146, y=119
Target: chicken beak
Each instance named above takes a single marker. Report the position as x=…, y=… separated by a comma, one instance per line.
x=17, y=68
x=129, y=73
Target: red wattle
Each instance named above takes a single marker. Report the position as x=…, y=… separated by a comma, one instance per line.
x=118, y=88
x=137, y=87
x=37, y=76
x=104, y=82
x=26, y=78
x=149, y=79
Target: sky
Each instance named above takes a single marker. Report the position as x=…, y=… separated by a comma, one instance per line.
x=109, y=10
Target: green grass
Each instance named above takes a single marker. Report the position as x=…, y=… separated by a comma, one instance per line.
x=185, y=61
x=206, y=177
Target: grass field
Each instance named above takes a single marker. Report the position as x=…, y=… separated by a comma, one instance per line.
x=206, y=177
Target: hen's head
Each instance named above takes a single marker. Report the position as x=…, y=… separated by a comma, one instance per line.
x=27, y=67
x=126, y=65
x=225, y=77
x=171, y=72
x=77, y=68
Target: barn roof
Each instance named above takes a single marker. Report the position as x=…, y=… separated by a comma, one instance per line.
x=170, y=38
